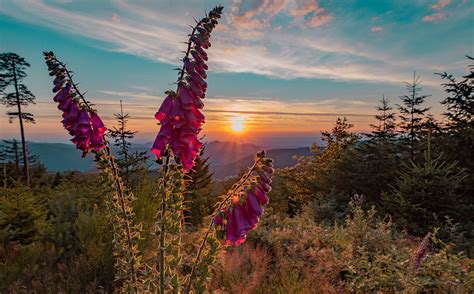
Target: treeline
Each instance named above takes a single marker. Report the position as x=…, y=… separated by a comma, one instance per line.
x=412, y=167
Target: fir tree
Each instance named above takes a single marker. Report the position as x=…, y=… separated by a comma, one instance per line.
x=412, y=113
x=460, y=102
x=12, y=73
x=122, y=136
x=425, y=194
x=457, y=140
x=384, y=130
x=199, y=190
x=14, y=157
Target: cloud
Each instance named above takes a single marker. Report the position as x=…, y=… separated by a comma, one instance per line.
x=115, y=17
x=255, y=14
x=309, y=10
x=377, y=29
x=150, y=32
x=441, y=4
x=435, y=17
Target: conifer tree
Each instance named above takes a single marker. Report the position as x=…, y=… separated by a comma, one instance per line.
x=13, y=156
x=122, y=137
x=460, y=102
x=199, y=189
x=425, y=194
x=457, y=141
x=384, y=130
x=412, y=113
x=12, y=73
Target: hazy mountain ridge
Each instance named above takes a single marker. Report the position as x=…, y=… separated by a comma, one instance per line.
x=225, y=158
x=282, y=158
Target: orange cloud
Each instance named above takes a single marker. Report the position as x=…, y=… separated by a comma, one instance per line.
x=441, y=4
x=435, y=17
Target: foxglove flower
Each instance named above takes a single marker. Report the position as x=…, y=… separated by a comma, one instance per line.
x=79, y=119
x=243, y=213
x=180, y=114
x=422, y=251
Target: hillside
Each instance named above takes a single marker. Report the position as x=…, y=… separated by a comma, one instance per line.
x=283, y=158
x=225, y=158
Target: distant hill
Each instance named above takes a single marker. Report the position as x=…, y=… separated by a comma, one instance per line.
x=283, y=158
x=59, y=157
x=224, y=152
x=226, y=158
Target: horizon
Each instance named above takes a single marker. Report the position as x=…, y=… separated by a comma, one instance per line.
x=284, y=69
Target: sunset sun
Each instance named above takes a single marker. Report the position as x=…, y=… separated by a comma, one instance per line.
x=237, y=123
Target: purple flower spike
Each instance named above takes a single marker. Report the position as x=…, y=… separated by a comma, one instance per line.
x=82, y=122
x=179, y=113
x=243, y=214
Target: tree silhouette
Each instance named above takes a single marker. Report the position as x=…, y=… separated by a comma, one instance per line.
x=12, y=72
x=385, y=129
x=122, y=137
x=412, y=113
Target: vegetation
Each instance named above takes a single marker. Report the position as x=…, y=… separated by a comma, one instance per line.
x=389, y=211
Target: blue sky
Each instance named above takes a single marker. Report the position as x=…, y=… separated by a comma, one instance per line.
x=273, y=61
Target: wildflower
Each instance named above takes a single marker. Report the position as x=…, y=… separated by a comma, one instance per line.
x=242, y=215
x=179, y=115
x=79, y=119
x=422, y=251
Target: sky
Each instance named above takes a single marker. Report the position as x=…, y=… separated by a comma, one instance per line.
x=284, y=69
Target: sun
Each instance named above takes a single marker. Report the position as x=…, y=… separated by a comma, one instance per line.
x=237, y=123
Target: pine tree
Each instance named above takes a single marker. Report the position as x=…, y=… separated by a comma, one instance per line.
x=457, y=139
x=413, y=115
x=12, y=72
x=122, y=136
x=199, y=189
x=460, y=103
x=385, y=129
x=12, y=154
x=425, y=194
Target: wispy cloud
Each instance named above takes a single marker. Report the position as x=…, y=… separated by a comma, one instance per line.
x=441, y=14
x=377, y=29
x=248, y=40
x=441, y=4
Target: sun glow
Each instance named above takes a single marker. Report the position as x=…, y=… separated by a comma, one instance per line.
x=237, y=123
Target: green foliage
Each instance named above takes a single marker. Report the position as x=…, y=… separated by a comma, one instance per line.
x=21, y=215
x=426, y=193
x=129, y=163
x=413, y=115
x=198, y=195
x=364, y=254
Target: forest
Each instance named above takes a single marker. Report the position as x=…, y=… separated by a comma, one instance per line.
x=387, y=211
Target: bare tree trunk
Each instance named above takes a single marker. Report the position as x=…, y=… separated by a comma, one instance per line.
x=26, y=172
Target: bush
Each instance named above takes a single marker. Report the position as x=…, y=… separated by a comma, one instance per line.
x=364, y=254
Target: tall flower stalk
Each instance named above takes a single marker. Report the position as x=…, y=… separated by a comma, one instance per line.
x=83, y=123
x=238, y=212
x=181, y=121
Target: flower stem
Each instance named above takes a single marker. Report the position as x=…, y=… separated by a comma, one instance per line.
x=188, y=50
x=161, y=262
x=120, y=193
x=209, y=226
x=68, y=73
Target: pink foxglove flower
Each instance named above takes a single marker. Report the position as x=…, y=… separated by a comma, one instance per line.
x=243, y=213
x=79, y=119
x=179, y=115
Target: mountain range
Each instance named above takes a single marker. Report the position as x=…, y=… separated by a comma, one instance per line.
x=225, y=158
